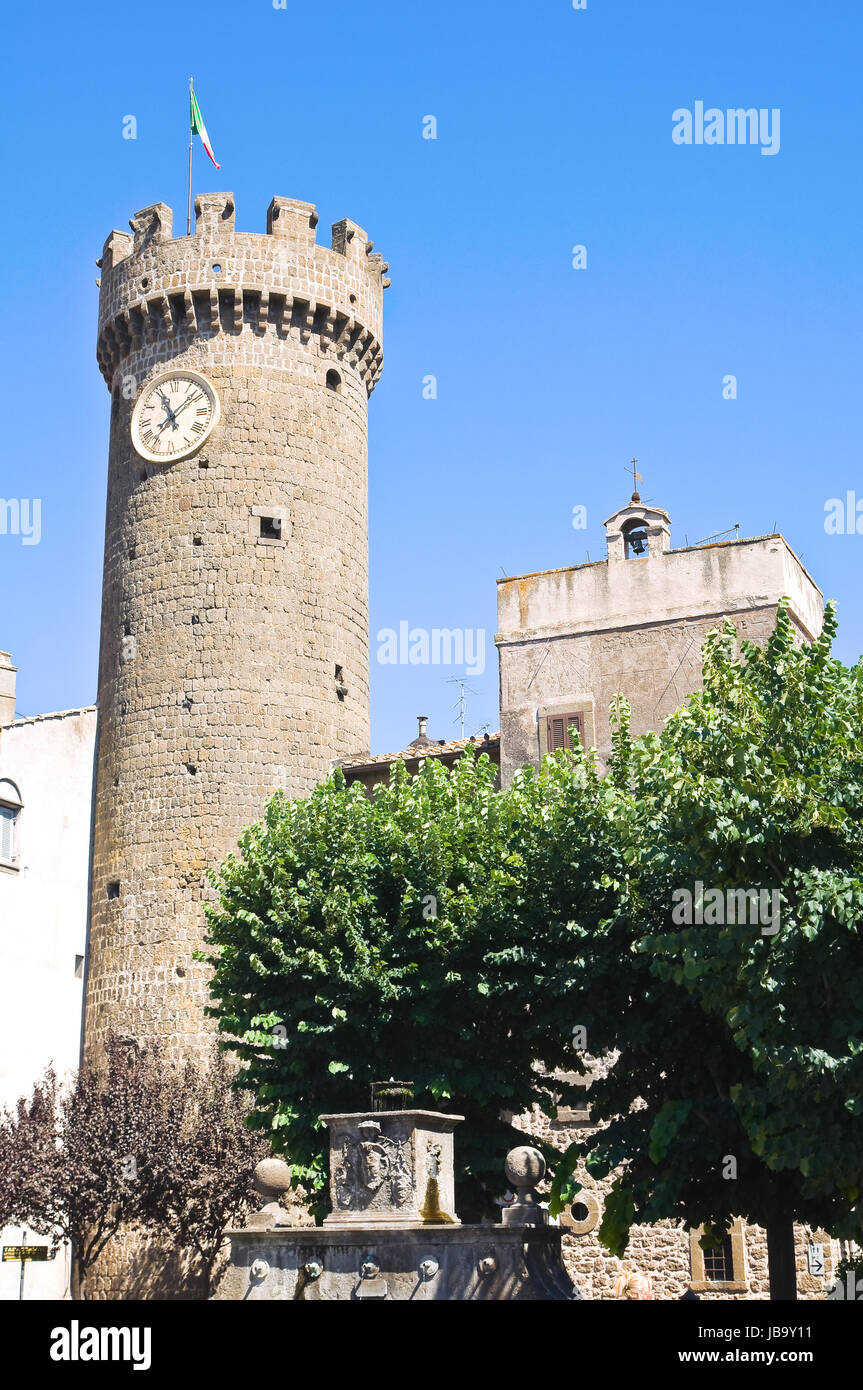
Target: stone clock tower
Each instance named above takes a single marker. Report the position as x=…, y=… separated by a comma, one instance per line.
x=234, y=646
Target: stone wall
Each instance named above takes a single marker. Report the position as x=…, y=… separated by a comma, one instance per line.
x=664, y=1251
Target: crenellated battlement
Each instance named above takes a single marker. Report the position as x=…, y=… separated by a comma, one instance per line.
x=158, y=291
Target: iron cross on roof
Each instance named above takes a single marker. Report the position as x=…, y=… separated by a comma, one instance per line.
x=636, y=479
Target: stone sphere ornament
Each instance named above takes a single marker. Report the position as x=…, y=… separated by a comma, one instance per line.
x=272, y=1178
x=525, y=1167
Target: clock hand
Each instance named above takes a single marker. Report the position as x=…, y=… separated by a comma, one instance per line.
x=172, y=414
x=166, y=405
x=187, y=401
x=169, y=420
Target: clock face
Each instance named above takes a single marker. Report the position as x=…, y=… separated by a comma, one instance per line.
x=173, y=416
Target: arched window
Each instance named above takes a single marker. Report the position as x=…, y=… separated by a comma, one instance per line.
x=10, y=812
x=635, y=543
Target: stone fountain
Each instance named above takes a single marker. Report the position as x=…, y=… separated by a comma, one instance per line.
x=392, y=1233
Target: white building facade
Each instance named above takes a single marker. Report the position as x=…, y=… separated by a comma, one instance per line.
x=46, y=792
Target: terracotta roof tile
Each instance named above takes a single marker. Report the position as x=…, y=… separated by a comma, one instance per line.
x=433, y=750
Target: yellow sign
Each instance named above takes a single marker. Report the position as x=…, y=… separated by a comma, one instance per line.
x=27, y=1252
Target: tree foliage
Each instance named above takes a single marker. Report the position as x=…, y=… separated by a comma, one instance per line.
x=735, y=1039
x=130, y=1143
x=82, y=1160
x=215, y=1153
x=357, y=939
x=465, y=938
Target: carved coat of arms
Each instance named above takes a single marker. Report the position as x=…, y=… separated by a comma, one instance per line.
x=372, y=1167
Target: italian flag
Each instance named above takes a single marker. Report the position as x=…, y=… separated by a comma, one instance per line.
x=198, y=127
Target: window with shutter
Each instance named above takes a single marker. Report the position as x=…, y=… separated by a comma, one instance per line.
x=8, y=816
x=562, y=729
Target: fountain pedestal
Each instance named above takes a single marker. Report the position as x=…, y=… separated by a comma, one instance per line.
x=393, y=1233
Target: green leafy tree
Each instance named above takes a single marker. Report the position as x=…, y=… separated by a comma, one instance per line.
x=734, y=1039
x=358, y=939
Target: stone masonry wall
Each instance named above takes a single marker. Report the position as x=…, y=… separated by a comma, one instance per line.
x=664, y=1250
x=219, y=649
x=656, y=666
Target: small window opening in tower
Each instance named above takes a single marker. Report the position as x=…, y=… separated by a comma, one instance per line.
x=635, y=542
x=334, y=380
x=79, y=967
x=341, y=688
x=271, y=528
x=203, y=463
x=217, y=269
x=113, y=890
x=197, y=540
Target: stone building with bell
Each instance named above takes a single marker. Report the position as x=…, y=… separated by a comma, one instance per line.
x=234, y=655
x=570, y=639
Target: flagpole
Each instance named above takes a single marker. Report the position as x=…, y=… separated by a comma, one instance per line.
x=191, y=136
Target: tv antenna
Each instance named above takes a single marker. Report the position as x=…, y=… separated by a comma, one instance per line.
x=718, y=535
x=461, y=702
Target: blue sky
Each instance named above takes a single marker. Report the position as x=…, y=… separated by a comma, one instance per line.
x=554, y=129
